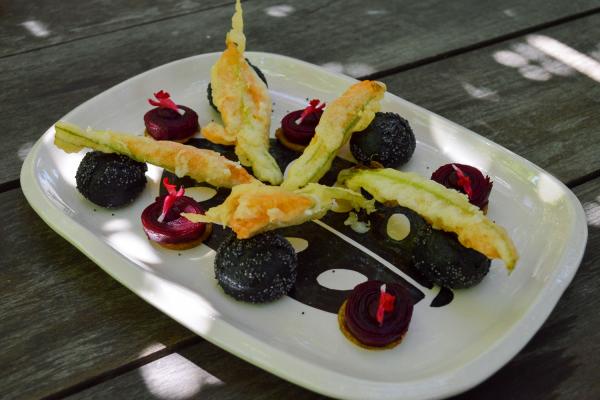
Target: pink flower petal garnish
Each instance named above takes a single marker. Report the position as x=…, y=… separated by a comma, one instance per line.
x=386, y=303
x=164, y=101
x=313, y=106
x=170, y=198
x=464, y=181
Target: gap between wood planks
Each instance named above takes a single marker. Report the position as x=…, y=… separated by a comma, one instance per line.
x=228, y=4
x=10, y=185
x=122, y=369
x=375, y=75
x=479, y=45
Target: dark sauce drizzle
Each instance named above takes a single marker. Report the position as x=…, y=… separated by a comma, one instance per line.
x=326, y=250
x=444, y=297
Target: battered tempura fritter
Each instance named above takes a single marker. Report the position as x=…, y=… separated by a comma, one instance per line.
x=353, y=111
x=243, y=100
x=443, y=208
x=200, y=164
x=254, y=208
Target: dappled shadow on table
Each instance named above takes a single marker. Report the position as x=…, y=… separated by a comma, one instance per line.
x=560, y=355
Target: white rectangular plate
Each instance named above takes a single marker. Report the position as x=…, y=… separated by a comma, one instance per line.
x=447, y=350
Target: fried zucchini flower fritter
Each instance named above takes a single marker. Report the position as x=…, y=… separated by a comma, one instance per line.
x=244, y=102
x=254, y=208
x=353, y=111
x=443, y=208
x=200, y=164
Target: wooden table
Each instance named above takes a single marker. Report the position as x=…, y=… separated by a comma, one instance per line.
x=68, y=330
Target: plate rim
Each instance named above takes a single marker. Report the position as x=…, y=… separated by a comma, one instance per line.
x=285, y=365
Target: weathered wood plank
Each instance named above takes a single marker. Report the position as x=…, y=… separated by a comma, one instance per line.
x=543, y=107
x=560, y=362
x=33, y=25
x=353, y=36
x=201, y=371
x=62, y=319
x=27, y=26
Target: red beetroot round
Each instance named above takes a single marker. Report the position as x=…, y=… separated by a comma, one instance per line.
x=465, y=179
x=300, y=133
x=299, y=126
x=174, y=228
x=361, y=314
x=167, y=124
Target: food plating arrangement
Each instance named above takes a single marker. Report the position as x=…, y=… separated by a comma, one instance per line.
x=365, y=200
x=434, y=229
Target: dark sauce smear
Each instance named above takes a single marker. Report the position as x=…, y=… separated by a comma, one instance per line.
x=401, y=260
x=325, y=251
x=444, y=297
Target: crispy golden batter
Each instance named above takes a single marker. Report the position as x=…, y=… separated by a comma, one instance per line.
x=200, y=164
x=216, y=133
x=254, y=208
x=236, y=34
x=243, y=100
x=443, y=208
x=351, y=112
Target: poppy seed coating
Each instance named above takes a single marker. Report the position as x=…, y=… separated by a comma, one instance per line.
x=256, y=270
x=110, y=180
x=447, y=263
x=388, y=140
